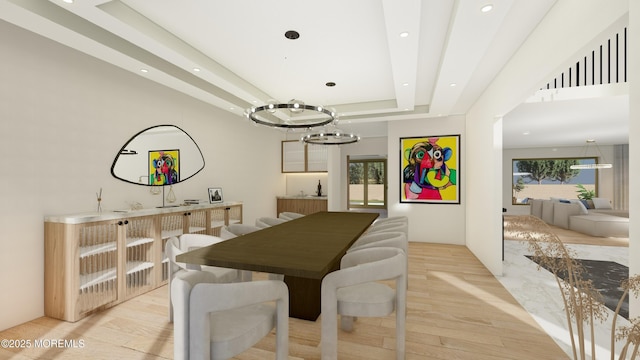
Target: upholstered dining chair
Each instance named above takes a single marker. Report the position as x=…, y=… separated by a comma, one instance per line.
x=219, y=321
x=264, y=222
x=381, y=239
x=176, y=246
x=387, y=220
x=233, y=230
x=354, y=291
x=391, y=226
x=288, y=215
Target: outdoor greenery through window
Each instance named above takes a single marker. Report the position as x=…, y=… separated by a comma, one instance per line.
x=367, y=179
x=547, y=178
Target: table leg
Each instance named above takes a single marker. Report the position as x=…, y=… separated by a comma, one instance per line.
x=304, y=297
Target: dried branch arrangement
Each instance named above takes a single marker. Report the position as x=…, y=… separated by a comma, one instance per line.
x=582, y=302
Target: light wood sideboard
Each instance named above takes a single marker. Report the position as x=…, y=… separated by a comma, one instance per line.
x=301, y=205
x=97, y=260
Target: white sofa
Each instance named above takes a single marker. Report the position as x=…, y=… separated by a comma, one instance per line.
x=574, y=215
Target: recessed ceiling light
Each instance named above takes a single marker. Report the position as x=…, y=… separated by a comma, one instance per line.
x=144, y=70
x=453, y=84
x=486, y=8
x=292, y=34
x=68, y=1
x=405, y=84
x=196, y=69
x=526, y=133
x=404, y=34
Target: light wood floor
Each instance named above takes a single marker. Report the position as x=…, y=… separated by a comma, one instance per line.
x=455, y=310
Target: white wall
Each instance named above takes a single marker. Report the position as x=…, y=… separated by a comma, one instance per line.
x=63, y=118
x=605, y=176
x=634, y=148
x=558, y=40
x=435, y=223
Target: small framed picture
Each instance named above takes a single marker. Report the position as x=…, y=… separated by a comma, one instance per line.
x=215, y=195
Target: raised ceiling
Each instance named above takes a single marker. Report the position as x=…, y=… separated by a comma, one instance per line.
x=452, y=52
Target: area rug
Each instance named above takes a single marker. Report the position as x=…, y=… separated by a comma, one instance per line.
x=606, y=277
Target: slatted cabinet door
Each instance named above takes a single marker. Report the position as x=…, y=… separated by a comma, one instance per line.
x=97, y=260
x=140, y=258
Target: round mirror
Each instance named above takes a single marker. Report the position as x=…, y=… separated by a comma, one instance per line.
x=157, y=156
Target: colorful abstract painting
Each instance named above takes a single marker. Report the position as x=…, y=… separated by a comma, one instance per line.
x=164, y=167
x=430, y=169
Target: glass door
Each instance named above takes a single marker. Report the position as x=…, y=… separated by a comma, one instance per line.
x=367, y=183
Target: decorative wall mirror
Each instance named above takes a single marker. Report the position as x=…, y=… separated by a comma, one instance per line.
x=157, y=156
x=551, y=177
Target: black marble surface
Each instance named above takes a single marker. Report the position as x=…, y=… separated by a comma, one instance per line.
x=606, y=277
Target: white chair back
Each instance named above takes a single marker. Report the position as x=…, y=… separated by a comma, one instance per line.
x=219, y=321
x=349, y=291
x=287, y=215
x=233, y=230
x=381, y=239
x=265, y=222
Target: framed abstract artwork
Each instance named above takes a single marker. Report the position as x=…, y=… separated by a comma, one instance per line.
x=430, y=169
x=164, y=167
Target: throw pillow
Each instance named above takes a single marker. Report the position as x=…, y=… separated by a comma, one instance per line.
x=583, y=208
x=601, y=203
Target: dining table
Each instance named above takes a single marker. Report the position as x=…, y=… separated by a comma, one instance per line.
x=304, y=250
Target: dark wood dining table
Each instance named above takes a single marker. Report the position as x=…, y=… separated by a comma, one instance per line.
x=304, y=250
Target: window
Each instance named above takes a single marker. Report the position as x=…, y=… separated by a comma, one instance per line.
x=553, y=177
x=367, y=181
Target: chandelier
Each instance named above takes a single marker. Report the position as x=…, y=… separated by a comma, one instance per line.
x=330, y=136
x=292, y=115
x=603, y=165
x=297, y=115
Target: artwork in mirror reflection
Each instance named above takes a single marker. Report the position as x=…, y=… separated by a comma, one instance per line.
x=157, y=156
x=550, y=177
x=164, y=167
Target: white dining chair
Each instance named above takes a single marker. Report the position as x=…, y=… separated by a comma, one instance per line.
x=265, y=222
x=381, y=239
x=288, y=215
x=386, y=220
x=393, y=226
x=233, y=230
x=354, y=291
x=220, y=321
x=176, y=246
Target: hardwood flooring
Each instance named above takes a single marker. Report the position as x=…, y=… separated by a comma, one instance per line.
x=455, y=310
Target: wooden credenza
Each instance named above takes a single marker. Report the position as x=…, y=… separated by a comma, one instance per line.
x=301, y=205
x=97, y=260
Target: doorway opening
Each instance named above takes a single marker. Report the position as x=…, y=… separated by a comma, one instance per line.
x=367, y=179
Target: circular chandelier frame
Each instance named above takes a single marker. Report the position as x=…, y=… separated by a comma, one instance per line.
x=323, y=138
x=294, y=108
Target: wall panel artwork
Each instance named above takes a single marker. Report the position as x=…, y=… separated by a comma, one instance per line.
x=430, y=169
